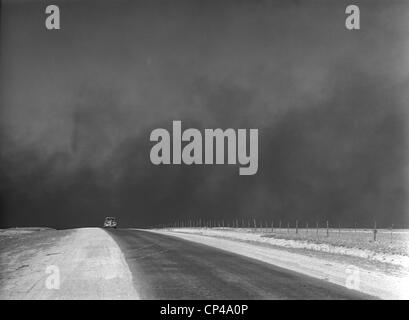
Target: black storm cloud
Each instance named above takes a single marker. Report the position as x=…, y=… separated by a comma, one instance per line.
x=77, y=106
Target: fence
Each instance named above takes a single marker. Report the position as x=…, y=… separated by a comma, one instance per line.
x=278, y=227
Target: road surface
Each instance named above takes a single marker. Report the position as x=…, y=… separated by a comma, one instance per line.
x=166, y=267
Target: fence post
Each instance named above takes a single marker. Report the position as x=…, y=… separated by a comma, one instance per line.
x=272, y=225
x=327, y=229
x=296, y=226
x=288, y=227
x=374, y=232
x=307, y=226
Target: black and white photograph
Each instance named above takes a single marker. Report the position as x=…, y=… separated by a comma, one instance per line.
x=217, y=151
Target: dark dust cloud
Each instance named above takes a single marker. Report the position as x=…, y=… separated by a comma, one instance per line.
x=78, y=106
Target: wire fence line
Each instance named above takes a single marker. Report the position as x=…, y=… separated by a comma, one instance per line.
x=279, y=226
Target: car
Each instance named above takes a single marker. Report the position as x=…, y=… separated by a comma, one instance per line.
x=110, y=222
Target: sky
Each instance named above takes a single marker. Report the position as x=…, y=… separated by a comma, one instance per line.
x=77, y=106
